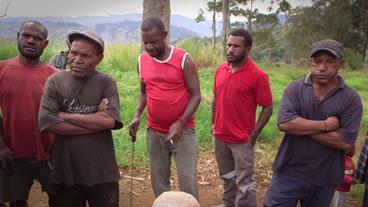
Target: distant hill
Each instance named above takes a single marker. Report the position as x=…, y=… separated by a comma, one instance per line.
x=111, y=28
x=122, y=28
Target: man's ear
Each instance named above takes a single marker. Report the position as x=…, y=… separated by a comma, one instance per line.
x=100, y=57
x=165, y=34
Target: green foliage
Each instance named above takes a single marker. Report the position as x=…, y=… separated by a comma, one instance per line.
x=121, y=57
x=200, y=17
x=353, y=60
x=214, y=6
x=326, y=19
x=266, y=21
x=8, y=49
x=201, y=51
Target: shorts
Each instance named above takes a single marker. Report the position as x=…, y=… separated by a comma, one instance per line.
x=16, y=182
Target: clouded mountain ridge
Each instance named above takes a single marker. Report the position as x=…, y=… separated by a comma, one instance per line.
x=121, y=28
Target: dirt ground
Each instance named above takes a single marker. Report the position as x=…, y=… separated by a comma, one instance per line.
x=209, y=184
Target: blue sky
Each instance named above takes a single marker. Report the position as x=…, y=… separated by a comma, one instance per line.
x=41, y=8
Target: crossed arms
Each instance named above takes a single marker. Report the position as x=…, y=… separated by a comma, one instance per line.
x=76, y=124
x=322, y=131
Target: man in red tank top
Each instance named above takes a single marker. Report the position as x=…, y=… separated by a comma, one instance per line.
x=170, y=90
x=24, y=151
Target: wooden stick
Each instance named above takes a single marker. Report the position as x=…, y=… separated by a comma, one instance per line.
x=134, y=178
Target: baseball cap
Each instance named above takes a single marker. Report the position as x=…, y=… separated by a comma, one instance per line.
x=334, y=47
x=87, y=35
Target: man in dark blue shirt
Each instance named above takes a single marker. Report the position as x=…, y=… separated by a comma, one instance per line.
x=320, y=116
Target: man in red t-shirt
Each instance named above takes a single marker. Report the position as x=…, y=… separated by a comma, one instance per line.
x=24, y=151
x=170, y=90
x=239, y=86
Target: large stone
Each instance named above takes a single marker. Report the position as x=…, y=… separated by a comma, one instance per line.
x=175, y=199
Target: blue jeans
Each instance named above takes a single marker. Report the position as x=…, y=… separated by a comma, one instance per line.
x=286, y=191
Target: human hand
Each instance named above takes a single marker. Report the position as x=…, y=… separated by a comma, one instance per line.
x=103, y=104
x=133, y=128
x=332, y=123
x=350, y=152
x=252, y=138
x=175, y=131
x=6, y=157
x=62, y=114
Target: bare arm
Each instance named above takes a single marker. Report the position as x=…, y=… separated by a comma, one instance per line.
x=5, y=152
x=65, y=128
x=93, y=121
x=213, y=110
x=322, y=131
x=333, y=140
x=2, y=142
x=192, y=83
x=142, y=102
x=263, y=118
x=302, y=126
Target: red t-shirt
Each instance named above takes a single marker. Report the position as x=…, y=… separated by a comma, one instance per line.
x=21, y=89
x=348, y=175
x=237, y=96
x=167, y=94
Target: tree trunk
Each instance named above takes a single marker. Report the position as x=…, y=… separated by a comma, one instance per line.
x=214, y=28
x=225, y=23
x=365, y=48
x=250, y=17
x=159, y=8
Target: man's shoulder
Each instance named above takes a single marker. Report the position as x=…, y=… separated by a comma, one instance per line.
x=223, y=65
x=295, y=85
x=58, y=76
x=49, y=67
x=5, y=62
x=351, y=93
x=180, y=50
x=104, y=76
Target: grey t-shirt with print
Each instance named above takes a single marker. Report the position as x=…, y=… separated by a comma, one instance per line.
x=86, y=159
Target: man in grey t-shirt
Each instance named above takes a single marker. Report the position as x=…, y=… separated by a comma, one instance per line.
x=320, y=116
x=81, y=106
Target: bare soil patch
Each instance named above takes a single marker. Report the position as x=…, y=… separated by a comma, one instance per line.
x=210, y=184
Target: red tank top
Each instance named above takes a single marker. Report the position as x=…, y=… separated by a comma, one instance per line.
x=167, y=94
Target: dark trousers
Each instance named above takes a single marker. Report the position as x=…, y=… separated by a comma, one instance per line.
x=286, y=191
x=365, y=198
x=99, y=195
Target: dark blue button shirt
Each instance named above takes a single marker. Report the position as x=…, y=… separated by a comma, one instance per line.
x=301, y=156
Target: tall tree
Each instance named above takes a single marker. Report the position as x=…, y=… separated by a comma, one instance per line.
x=324, y=19
x=360, y=23
x=249, y=13
x=214, y=7
x=159, y=8
x=246, y=9
x=225, y=23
